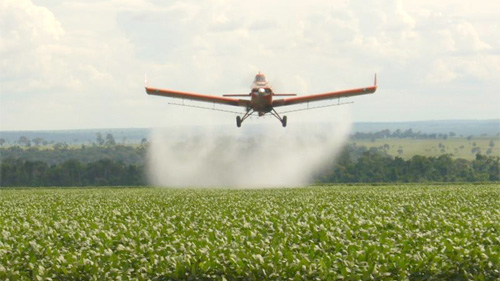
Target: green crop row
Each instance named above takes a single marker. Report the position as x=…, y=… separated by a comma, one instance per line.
x=316, y=233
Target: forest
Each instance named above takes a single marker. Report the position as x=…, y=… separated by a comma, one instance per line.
x=121, y=165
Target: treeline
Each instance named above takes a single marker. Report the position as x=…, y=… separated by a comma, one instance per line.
x=39, y=141
x=372, y=166
x=104, y=172
x=86, y=154
x=400, y=134
x=367, y=167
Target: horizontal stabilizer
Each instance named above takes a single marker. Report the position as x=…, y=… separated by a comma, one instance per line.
x=285, y=95
x=236, y=95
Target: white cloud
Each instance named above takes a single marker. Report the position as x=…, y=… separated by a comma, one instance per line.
x=30, y=44
x=468, y=38
x=88, y=57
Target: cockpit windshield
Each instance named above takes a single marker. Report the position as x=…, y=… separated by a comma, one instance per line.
x=260, y=78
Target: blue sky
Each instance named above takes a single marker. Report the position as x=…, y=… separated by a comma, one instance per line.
x=81, y=64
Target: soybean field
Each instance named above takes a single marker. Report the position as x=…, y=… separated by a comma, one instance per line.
x=403, y=232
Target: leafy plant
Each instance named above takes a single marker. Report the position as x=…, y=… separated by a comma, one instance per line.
x=316, y=233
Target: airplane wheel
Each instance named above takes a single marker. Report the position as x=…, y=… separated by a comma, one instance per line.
x=284, y=121
x=238, y=121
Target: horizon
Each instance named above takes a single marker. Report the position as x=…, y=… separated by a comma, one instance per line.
x=362, y=126
x=255, y=124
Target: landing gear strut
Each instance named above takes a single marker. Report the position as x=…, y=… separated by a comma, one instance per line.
x=240, y=120
x=283, y=120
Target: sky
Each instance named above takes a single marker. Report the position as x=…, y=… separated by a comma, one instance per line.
x=81, y=64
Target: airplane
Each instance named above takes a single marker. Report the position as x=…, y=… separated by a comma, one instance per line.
x=261, y=98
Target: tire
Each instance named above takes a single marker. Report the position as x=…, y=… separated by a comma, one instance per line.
x=283, y=122
x=238, y=121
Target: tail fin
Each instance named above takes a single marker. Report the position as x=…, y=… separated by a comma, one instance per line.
x=375, y=80
x=145, y=80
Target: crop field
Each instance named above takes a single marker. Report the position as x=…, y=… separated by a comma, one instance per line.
x=405, y=232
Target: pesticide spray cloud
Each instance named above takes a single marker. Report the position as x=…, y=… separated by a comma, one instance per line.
x=260, y=154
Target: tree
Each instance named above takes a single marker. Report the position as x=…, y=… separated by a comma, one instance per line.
x=24, y=141
x=445, y=168
x=420, y=169
x=2, y=141
x=36, y=173
x=71, y=173
x=408, y=133
x=385, y=133
x=99, y=139
x=486, y=168
x=38, y=141
x=398, y=170
x=110, y=140
x=442, y=148
x=397, y=133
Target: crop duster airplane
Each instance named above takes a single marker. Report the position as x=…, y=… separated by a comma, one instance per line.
x=262, y=98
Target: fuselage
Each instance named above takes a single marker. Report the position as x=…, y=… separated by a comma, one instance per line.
x=261, y=95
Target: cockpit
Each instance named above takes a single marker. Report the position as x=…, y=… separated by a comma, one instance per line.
x=260, y=78
x=260, y=81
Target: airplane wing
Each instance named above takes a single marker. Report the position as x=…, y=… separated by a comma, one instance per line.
x=326, y=96
x=197, y=97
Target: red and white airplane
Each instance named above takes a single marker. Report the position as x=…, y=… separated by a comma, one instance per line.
x=261, y=98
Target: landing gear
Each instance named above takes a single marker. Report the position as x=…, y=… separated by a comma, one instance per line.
x=240, y=120
x=282, y=120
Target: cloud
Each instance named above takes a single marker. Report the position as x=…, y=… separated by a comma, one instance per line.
x=30, y=45
x=88, y=57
